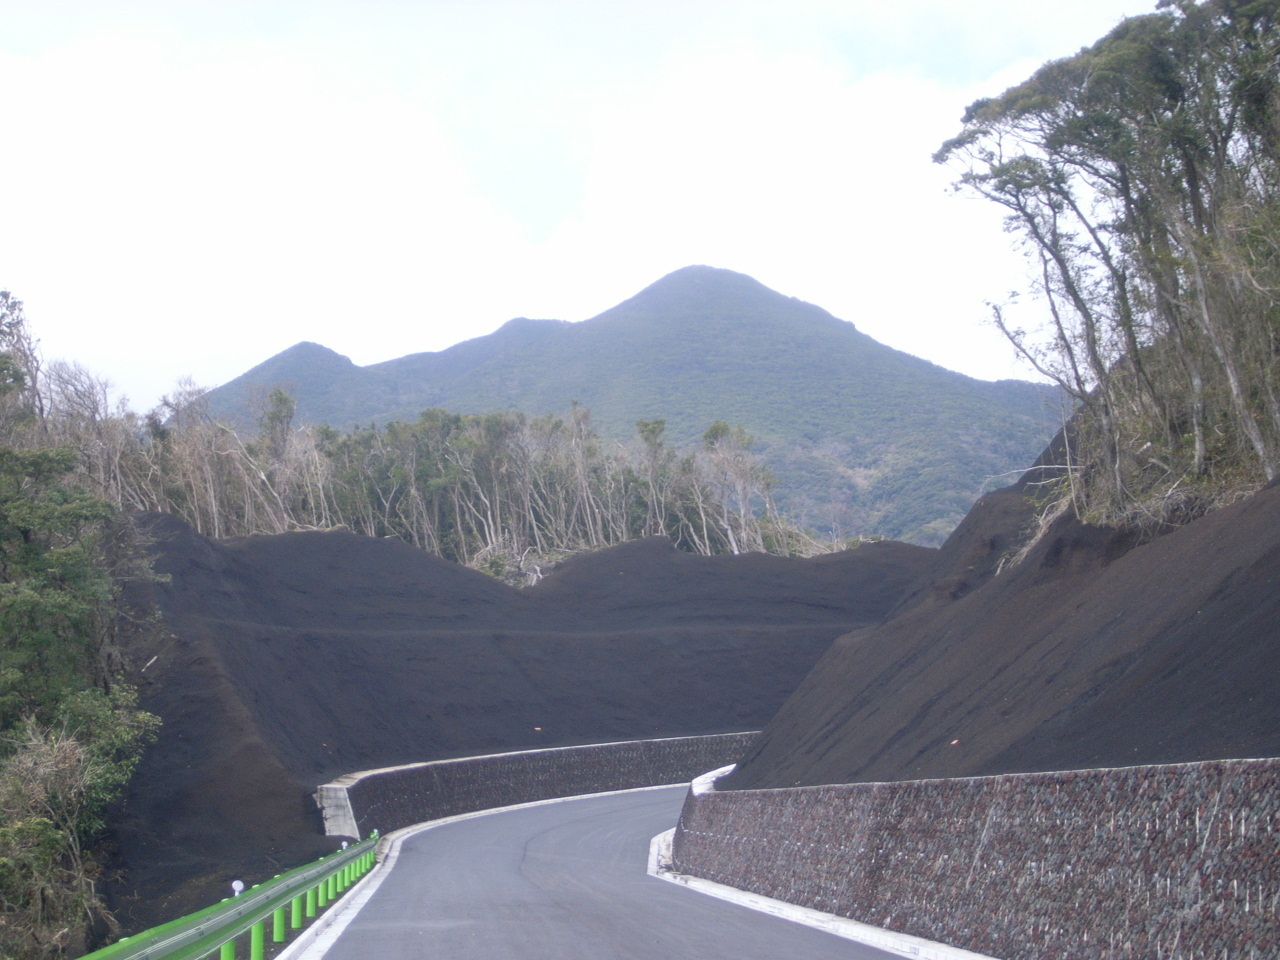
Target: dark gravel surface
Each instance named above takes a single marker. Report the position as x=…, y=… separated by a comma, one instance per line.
x=300, y=657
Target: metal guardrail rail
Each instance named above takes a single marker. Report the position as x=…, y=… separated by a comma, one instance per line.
x=288, y=900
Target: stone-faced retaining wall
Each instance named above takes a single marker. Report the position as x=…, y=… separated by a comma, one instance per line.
x=395, y=797
x=1163, y=862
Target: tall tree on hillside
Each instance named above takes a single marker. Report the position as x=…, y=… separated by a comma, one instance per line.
x=741, y=484
x=656, y=460
x=19, y=362
x=1143, y=177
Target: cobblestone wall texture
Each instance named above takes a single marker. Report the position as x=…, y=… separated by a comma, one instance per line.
x=387, y=800
x=1162, y=862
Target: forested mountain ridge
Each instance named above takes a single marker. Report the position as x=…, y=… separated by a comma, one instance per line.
x=860, y=437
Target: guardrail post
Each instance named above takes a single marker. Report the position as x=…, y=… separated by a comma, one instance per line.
x=257, y=934
x=227, y=951
x=277, y=925
x=295, y=912
x=312, y=901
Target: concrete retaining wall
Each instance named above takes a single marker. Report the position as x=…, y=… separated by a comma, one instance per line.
x=1169, y=862
x=395, y=797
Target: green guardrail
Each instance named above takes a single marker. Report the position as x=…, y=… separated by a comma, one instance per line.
x=287, y=901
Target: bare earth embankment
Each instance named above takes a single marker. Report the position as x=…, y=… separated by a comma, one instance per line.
x=1096, y=650
x=299, y=657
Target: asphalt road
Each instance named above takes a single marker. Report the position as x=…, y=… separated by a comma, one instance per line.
x=564, y=881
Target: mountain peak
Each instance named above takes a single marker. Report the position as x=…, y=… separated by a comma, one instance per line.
x=698, y=284
x=699, y=289
x=309, y=349
x=304, y=369
x=699, y=275
x=863, y=436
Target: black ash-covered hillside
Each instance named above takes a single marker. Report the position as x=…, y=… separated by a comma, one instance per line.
x=1095, y=650
x=299, y=657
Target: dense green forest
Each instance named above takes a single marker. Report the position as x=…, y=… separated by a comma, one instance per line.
x=1142, y=177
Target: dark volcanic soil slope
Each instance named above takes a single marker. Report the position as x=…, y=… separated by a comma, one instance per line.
x=1091, y=652
x=647, y=583
x=300, y=657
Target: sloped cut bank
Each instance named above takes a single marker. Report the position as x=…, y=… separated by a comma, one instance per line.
x=395, y=797
x=1175, y=861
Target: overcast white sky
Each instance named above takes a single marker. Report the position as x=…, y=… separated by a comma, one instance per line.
x=192, y=187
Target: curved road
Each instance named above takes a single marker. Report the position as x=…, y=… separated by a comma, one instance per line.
x=564, y=881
